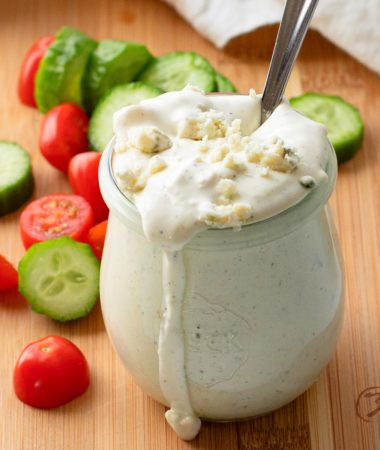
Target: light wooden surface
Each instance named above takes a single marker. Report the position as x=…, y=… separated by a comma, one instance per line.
x=114, y=413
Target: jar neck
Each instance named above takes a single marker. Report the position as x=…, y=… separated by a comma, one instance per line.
x=257, y=233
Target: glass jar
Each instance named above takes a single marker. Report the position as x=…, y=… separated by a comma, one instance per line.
x=262, y=307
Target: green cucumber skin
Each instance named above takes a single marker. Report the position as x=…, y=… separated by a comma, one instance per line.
x=14, y=195
x=113, y=62
x=163, y=72
x=345, y=152
x=100, y=128
x=347, y=146
x=59, y=77
x=35, y=259
x=223, y=84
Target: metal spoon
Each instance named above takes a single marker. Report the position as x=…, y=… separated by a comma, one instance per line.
x=293, y=27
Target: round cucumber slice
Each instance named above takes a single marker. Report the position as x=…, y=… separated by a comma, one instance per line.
x=223, y=84
x=343, y=121
x=173, y=71
x=16, y=177
x=112, y=63
x=60, y=278
x=59, y=77
x=100, y=130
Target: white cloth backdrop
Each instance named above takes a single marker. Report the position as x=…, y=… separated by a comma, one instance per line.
x=353, y=25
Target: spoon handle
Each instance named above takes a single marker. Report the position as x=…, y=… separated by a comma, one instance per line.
x=294, y=24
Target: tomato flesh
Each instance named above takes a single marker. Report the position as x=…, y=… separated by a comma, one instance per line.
x=83, y=178
x=63, y=134
x=96, y=238
x=56, y=215
x=8, y=275
x=29, y=68
x=50, y=372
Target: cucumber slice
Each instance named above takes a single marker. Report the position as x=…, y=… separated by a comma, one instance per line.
x=112, y=63
x=60, y=278
x=59, y=77
x=223, y=84
x=100, y=130
x=343, y=121
x=173, y=71
x=16, y=177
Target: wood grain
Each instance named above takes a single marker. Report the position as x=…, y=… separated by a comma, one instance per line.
x=114, y=413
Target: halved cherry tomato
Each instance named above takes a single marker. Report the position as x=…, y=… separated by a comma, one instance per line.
x=8, y=275
x=96, y=237
x=63, y=134
x=29, y=70
x=83, y=178
x=56, y=215
x=50, y=372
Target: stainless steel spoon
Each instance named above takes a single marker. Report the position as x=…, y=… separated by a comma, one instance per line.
x=293, y=27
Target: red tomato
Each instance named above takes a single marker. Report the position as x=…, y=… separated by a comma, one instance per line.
x=63, y=134
x=56, y=215
x=50, y=372
x=83, y=178
x=29, y=69
x=8, y=275
x=96, y=237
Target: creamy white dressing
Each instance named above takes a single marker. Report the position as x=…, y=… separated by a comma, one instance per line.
x=171, y=350
x=191, y=162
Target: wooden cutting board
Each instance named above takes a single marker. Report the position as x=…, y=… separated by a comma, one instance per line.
x=342, y=410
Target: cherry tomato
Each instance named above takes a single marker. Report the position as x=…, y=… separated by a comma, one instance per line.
x=50, y=372
x=29, y=70
x=56, y=215
x=63, y=134
x=8, y=275
x=83, y=178
x=96, y=237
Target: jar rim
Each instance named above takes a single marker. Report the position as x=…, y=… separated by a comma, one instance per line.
x=259, y=232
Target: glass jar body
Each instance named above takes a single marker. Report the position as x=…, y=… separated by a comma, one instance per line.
x=260, y=317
